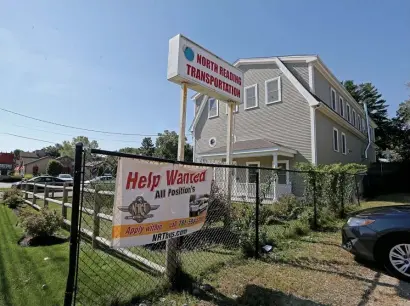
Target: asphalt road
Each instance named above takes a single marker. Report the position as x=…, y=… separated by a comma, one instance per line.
x=5, y=185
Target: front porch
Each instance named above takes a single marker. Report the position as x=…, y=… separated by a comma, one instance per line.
x=273, y=183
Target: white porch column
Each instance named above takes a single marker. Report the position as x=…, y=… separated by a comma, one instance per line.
x=275, y=160
x=275, y=182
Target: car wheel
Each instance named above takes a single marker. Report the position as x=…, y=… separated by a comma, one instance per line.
x=397, y=258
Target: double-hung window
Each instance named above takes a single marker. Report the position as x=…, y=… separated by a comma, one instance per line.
x=341, y=107
x=348, y=112
x=333, y=99
x=336, y=139
x=344, y=144
x=353, y=117
x=273, y=91
x=213, y=108
x=251, y=96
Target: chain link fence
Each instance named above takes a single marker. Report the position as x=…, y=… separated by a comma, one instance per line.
x=260, y=203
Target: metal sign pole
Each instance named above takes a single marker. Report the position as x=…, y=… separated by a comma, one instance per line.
x=229, y=143
x=172, y=260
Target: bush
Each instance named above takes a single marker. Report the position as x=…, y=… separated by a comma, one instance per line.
x=14, y=201
x=217, y=207
x=326, y=219
x=41, y=225
x=12, y=192
x=54, y=168
x=28, y=176
x=287, y=208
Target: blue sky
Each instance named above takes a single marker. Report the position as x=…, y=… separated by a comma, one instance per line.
x=102, y=64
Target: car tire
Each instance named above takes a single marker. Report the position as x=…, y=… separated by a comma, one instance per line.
x=396, y=258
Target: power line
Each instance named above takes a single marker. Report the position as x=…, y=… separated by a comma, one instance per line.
x=57, y=133
x=73, y=127
x=46, y=141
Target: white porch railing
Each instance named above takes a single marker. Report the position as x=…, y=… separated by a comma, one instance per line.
x=247, y=191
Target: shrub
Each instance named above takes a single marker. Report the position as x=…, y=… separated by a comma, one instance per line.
x=217, y=206
x=12, y=192
x=14, y=201
x=287, y=208
x=326, y=219
x=54, y=167
x=297, y=228
x=41, y=225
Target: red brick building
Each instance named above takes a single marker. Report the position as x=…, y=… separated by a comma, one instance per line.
x=6, y=163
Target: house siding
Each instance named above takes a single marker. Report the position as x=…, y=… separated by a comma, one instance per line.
x=322, y=90
x=324, y=142
x=286, y=123
x=300, y=71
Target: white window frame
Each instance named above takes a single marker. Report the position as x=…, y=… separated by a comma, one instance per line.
x=209, y=108
x=286, y=162
x=256, y=97
x=279, y=90
x=348, y=113
x=331, y=99
x=344, y=147
x=341, y=106
x=333, y=140
x=353, y=118
x=247, y=170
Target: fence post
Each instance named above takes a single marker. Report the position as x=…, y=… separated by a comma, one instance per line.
x=65, y=199
x=70, y=285
x=33, y=200
x=46, y=192
x=313, y=178
x=26, y=188
x=257, y=202
x=96, y=227
x=357, y=190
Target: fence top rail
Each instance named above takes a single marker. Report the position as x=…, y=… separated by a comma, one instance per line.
x=45, y=185
x=187, y=163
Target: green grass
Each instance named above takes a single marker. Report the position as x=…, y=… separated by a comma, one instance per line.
x=23, y=270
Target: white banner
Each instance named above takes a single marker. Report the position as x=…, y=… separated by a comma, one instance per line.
x=158, y=201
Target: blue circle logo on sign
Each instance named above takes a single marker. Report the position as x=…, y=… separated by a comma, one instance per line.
x=189, y=53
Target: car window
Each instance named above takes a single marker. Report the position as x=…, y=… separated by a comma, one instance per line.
x=48, y=179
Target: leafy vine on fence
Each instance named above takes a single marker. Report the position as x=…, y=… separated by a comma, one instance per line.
x=331, y=186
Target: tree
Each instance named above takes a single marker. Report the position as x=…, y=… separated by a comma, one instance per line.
x=68, y=147
x=54, y=167
x=52, y=151
x=147, y=147
x=17, y=153
x=166, y=146
x=129, y=150
x=377, y=109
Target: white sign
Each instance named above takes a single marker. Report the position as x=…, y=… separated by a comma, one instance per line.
x=203, y=71
x=158, y=201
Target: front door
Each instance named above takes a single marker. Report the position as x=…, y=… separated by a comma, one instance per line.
x=282, y=175
x=252, y=172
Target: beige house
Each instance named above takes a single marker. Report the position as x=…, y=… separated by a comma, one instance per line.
x=294, y=110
